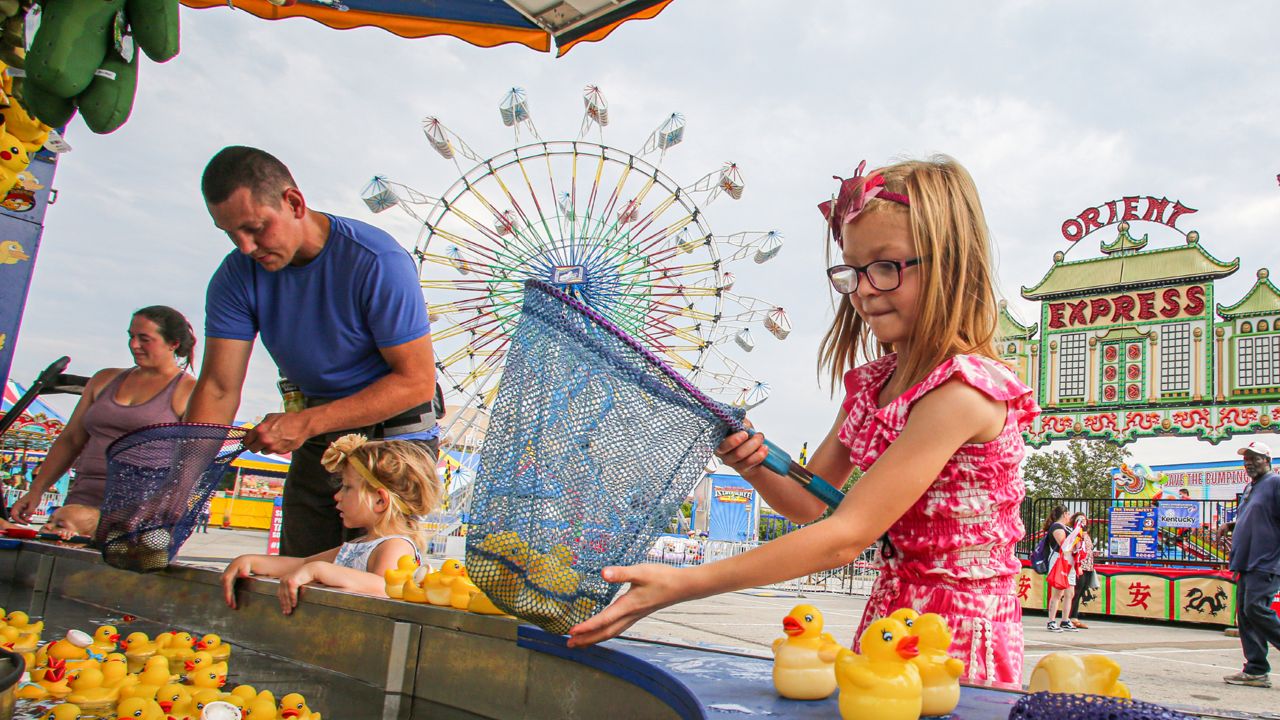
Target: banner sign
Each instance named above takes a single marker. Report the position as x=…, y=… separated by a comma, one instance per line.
x=732, y=513
x=1179, y=514
x=21, y=223
x=1133, y=532
x=277, y=522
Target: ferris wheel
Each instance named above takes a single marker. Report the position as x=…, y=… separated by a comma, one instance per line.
x=606, y=225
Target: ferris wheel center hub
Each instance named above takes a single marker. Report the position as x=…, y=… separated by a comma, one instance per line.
x=569, y=274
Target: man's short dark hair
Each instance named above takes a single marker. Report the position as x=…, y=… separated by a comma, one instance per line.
x=238, y=166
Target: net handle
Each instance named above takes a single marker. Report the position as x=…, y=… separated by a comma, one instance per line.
x=777, y=461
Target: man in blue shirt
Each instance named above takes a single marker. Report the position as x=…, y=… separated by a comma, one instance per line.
x=338, y=306
x=1255, y=559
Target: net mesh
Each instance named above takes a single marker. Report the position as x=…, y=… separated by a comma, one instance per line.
x=158, y=480
x=592, y=445
x=1063, y=706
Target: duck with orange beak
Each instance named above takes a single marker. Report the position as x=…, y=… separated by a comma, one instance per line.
x=881, y=683
x=804, y=660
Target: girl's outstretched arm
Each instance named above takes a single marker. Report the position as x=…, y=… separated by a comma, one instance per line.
x=830, y=462
x=940, y=423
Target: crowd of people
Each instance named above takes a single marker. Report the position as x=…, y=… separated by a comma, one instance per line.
x=929, y=414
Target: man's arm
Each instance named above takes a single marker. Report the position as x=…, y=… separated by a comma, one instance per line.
x=411, y=382
x=216, y=396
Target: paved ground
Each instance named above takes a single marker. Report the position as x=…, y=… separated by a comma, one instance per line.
x=1175, y=665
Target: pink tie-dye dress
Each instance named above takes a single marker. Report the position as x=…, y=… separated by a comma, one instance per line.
x=952, y=552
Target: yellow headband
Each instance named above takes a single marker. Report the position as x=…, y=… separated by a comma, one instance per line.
x=375, y=483
x=342, y=452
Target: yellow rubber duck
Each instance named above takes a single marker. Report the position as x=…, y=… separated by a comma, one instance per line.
x=138, y=649
x=460, y=592
x=439, y=584
x=907, y=616
x=202, y=662
x=11, y=638
x=203, y=696
x=880, y=683
x=176, y=646
x=397, y=576
x=88, y=690
x=1090, y=674
x=482, y=605
x=22, y=621
x=214, y=644
x=206, y=679
x=246, y=694
x=804, y=660
x=501, y=581
x=65, y=711
x=155, y=675
x=260, y=709
x=549, y=577
x=294, y=707
x=136, y=708
x=115, y=672
x=939, y=672
x=73, y=650
x=175, y=700
x=54, y=679
x=106, y=639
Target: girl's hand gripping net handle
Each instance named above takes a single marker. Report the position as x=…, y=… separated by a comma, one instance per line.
x=780, y=462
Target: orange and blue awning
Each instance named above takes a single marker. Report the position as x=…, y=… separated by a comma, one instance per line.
x=536, y=24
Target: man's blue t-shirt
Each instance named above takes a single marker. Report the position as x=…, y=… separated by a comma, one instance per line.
x=1255, y=544
x=323, y=322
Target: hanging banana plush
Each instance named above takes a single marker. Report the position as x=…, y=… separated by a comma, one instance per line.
x=83, y=56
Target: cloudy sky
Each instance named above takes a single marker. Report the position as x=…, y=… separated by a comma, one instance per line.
x=1053, y=107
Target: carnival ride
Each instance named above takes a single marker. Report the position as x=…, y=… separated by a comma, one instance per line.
x=606, y=225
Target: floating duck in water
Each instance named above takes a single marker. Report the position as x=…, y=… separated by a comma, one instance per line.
x=294, y=707
x=939, y=672
x=202, y=662
x=14, y=639
x=804, y=660
x=53, y=679
x=880, y=683
x=65, y=711
x=214, y=645
x=203, y=696
x=73, y=649
x=176, y=646
x=88, y=690
x=22, y=621
x=1090, y=674
x=135, y=708
x=206, y=679
x=439, y=584
x=261, y=709
x=138, y=649
x=106, y=639
x=115, y=672
x=175, y=700
x=397, y=576
x=155, y=675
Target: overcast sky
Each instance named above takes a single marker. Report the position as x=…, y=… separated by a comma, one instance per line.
x=1053, y=107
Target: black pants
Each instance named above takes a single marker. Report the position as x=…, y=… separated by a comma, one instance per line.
x=1083, y=582
x=1259, y=624
x=310, y=522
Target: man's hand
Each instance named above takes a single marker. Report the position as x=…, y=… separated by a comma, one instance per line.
x=279, y=433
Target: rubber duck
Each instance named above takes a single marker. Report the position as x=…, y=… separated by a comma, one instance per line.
x=246, y=694
x=260, y=709
x=106, y=639
x=460, y=593
x=880, y=683
x=22, y=621
x=13, y=160
x=155, y=675
x=397, y=576
x=907, y=616
x=203, y=696
x=497, y=573
x=72, y=649
x=176, y=702
x=29, y=689
x=438, y=584
x=206, y=679
x=115, y=672
x=1091, y=674
x=65, y=711
x=11, y=638
x=294, y=707
x=220, y=650
x=804, y=660
x=54, y=679
x=136, y=708
x=413, y=590
x=176, y=646
x=939, y=672
x=138, y=649
x=89, y=692
x=202, y=663
x=550, y=578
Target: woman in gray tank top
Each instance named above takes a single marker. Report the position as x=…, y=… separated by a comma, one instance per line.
x=116, y=401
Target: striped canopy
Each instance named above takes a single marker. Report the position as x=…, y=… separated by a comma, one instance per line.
x=486, y=23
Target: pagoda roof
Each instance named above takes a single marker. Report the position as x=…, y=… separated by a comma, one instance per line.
x=1008, y=327
x=1187, y=263
x=1262, y=299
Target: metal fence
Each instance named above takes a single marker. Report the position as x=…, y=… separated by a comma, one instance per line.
x=1146, y=534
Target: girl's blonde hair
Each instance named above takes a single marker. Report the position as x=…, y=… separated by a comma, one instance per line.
x=958, y=311
x=406, y=470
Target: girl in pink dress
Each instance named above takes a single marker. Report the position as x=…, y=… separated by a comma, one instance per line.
x=934, y=421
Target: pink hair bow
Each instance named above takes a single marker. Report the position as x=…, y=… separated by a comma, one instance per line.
x=852, y=199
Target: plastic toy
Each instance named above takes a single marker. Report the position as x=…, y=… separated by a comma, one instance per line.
x=880, y=683
x=106, y=639
x=294, y=707
x=939, y=672
x=804, y=660
x=136, y=708
x=397, y=576
x=220, y=650
x=1091, y=674
x=89, y=692
x=175, y=701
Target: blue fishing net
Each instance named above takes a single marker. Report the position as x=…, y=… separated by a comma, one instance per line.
x=1064, y=706
x=592, y=445
x=158, y=481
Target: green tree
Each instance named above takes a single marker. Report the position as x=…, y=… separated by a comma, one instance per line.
x=1082, y=469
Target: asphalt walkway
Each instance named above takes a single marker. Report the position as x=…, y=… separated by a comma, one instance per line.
x=1161, y=662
